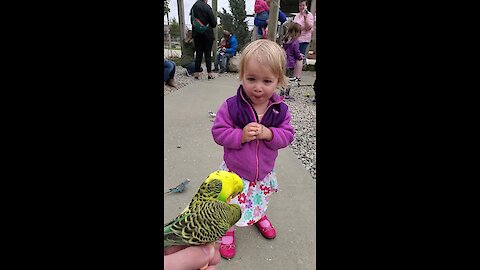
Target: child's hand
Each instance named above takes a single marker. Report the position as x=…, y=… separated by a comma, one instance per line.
x=264, y=133
x=250, y=132
x=254, y=131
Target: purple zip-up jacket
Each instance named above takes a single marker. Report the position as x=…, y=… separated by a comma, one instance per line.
x=255, y=159
x=292, y=50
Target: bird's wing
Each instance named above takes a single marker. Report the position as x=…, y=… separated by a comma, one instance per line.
x=209, y=190
x=205, y=223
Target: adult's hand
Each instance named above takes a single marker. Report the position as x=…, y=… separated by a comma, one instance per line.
x=191, y=258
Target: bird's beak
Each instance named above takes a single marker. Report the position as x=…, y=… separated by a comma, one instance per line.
x=228, y=200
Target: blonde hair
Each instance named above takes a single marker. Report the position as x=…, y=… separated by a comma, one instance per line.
x=267, y=53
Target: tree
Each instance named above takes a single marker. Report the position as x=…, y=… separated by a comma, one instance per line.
x=174, y=28
x=226, y=21
x=165, y=7
x=239, y=20
x=236, y=23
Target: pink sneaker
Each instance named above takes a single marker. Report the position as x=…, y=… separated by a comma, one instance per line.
x=268, y=231
x=227, y=251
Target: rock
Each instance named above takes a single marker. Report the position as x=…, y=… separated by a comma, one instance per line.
x=233, y=63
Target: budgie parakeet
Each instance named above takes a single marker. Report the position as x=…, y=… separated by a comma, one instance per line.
x=180, y=188
x=208, y=216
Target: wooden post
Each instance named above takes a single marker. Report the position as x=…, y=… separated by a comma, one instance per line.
x=169, y=38
x=313, y=6
x=215, y=30
x=273, y=20
x=254, y=33
x=280, y=35
x=181, y=22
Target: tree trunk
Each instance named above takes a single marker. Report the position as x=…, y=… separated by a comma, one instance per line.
x=169, y=36
x=215, y=32
x=273, y=20
x=181, y=22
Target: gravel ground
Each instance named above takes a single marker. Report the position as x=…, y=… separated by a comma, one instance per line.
x=303, y=118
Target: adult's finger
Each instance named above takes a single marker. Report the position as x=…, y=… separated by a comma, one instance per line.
x=216, y=258
x=190, y=258
x=173, y=249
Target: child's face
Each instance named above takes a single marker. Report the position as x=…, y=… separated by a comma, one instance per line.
x=259, y=82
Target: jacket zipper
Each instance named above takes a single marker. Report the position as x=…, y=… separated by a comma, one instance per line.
x=256, y=117
x=256, y=150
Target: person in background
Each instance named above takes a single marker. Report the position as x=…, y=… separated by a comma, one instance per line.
x=226, y=52
x=261, y=9
x=188, y=60
x=291, y=46
x=315, y=85
x=169, y=73
x=261, y=19
x=221, y=46
x=305, y=19
x=203, y=40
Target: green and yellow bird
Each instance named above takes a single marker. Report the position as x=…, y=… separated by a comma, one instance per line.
x=209, y=215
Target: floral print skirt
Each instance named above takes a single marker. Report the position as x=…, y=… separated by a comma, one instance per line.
x=254, y=198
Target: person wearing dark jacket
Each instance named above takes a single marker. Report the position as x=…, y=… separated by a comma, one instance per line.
x=203, y=41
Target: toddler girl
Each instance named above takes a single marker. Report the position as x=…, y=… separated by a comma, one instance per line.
x=261, y=9
x=252, y=126
x=292, y=50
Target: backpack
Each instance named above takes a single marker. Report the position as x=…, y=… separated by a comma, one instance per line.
x=198, y=26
